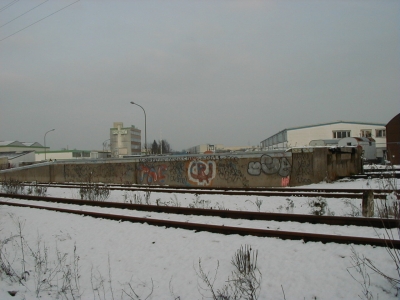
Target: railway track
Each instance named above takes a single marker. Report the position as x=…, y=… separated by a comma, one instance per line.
x=315, y=237
x=267, y=192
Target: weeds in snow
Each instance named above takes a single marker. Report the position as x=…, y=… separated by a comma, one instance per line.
x=257, y=203
x=359, y=266
x=289, y=206
x=12, y=186
x=36, y=189
x=94, y=191
x=172, y=202
x=388, y=208
x=244, y=282
x=103, y=288
x=317, y=206
x=200, y=203
x=137, y=198
x=31, y=266
x=354, y=210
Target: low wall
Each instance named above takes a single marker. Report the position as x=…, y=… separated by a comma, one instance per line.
x=269, y=169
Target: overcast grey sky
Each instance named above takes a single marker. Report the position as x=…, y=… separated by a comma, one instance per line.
x=223, y=72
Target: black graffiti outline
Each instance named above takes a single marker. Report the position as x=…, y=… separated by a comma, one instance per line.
x=270, y=165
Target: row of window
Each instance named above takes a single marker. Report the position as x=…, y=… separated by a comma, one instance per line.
x=340, y=134
x=135, y=139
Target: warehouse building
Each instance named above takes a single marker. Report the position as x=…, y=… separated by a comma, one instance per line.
x=303, y=135
x=393, y=140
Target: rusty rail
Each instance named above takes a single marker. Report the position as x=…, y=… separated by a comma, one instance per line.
x=306, y=237
x=232, y=214
x=265, y=192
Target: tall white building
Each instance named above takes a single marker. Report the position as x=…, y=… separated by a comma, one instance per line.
x=125, y=140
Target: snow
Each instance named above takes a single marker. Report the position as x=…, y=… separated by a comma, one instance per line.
x=114, y=256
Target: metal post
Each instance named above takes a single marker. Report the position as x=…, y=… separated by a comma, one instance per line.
x=145, y=133
x=368, y=204
x=45, y=142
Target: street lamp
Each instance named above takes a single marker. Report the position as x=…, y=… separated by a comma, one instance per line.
x=45, y=143
x=145, y=134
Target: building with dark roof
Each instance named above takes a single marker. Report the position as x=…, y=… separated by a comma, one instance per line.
x=16, y=146
x=393, y=140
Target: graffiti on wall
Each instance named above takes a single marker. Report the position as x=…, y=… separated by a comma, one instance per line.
x=270, y=165
x=202, y=172
x=99, y=173
x=303, y=168
x=285, y=181
x=150, y=174
x=229, y=171
x=177, y=172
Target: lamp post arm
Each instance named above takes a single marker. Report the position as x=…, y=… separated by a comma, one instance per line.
x=145, y=125
x=45, y=142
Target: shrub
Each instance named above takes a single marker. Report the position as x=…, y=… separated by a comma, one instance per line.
x=59, y=278
x=12, y=186
x=317, y=206
x=388, y=208
x=257, y=203
x=244, y=282
x=94, y=192
x=36, y=189
x=200, y=203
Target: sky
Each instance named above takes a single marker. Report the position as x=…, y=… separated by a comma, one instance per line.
x=141, y=254
x=218, y=72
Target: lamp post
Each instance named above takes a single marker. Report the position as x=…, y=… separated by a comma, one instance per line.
x=45, y=143
x=145, y=133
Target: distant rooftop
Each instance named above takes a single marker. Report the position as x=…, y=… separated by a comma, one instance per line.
x=337, y=122
x=19, y=144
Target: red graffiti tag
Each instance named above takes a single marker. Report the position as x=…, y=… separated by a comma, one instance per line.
x=199, y=173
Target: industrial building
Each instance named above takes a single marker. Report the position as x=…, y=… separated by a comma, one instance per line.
x=16, y=146
x=219, y=148
x=303, y=135
x=393, y=140
x=65, y=154
x=14, y=153
x=125, y=140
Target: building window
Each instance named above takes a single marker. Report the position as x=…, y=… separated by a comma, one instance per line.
x=366, y=133
x=341, y=134
x=380, y=133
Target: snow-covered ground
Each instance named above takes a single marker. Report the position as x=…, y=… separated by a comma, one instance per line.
x=117, y=260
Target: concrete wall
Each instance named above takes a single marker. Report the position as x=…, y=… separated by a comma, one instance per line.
x=304, y=166
x=3, y=163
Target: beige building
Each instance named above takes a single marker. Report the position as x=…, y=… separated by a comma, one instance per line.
x=125, y=140
x=65, y=154
x=14, y=153
x=302, y=136
x=218, y=148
